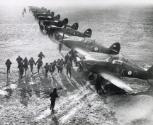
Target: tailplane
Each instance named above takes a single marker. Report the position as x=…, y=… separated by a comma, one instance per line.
x=115, y=48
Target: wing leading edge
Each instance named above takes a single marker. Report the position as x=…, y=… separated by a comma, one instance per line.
x=116, y=81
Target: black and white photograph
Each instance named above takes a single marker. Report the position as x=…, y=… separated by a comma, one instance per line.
x=76, y=62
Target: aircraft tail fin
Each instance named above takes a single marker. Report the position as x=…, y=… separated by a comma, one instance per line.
x=52, y=14
x=57, y=17
x=88, y=33
x=150, y=72
x=65, y=21
x=62, y=23
x=115, y=48
x=75, y=26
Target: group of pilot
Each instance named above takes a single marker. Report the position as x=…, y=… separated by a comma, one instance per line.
x=23, y=65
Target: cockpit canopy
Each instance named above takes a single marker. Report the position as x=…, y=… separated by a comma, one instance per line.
x=89, y=41
x=116, y=60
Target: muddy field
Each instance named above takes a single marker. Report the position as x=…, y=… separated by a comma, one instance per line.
x=28, y=103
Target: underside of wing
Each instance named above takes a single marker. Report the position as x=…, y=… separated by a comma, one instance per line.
x=116, y=81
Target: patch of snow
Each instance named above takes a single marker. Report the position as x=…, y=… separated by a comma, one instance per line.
x=3, y=93
x=71, y=113
x=44, y=114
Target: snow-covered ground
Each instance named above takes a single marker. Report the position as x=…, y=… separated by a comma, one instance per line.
x=28, y=102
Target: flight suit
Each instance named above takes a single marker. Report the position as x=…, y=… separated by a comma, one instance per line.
x=8, y=65
x=53, y=97
x=31, y=62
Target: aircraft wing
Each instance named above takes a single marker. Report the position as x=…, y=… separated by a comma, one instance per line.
x=65, y=35
x=116, y=81
x=108, y=76
x=84, y=53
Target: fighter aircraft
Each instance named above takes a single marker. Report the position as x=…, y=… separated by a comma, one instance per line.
x=69, y=31
x=45, y=25
x=51, y=26
x=37, y=13
x=59, y=23
x=49, y=17
x=37, y=9
x=90, y=45
x=40, y=11
x=112, y=68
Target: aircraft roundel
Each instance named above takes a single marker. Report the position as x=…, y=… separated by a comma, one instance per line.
x=129, y=73
x=114, y=46
x=96, y=49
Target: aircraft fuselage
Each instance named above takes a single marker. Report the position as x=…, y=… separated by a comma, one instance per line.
x=88, y=45
x=117, y=67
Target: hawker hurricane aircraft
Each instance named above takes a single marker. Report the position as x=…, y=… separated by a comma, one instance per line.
x=41, y=12
x=112, y=68
x=69, y=31
x=45, y=25
x=49, y=17
x=35, y=10
x=90, y=45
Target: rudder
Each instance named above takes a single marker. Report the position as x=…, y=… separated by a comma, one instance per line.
x=75, y=26
x=88, y=33
x=115, y=48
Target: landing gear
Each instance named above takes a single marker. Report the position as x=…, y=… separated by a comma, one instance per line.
x=100, y=85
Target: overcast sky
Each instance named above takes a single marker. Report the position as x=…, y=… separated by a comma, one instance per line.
x=74, y=2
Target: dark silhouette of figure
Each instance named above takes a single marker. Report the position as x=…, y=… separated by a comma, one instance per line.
x=61, y=65
x=8, y=65
x=54, y=65
x=31, y=63
x=51, y=68
x=53, y=97
x=58, y=65
x=98, y=86
x=68, y=67
x=19, y=60
x=25, y=63
x=20, y=66
x=60, y=46
x=66, y=58
x=39, y=64
x=41, y=55
x=72, y=56
x=46, y=69
x=21, y=69
x=23, y=12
